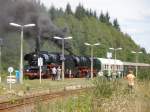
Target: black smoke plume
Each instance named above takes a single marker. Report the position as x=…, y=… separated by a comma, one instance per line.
x=29, y=11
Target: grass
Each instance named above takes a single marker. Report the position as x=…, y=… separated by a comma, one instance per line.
x=34, y=87
x=108, y=96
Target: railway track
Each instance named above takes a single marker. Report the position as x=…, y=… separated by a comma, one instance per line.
x=32, y=99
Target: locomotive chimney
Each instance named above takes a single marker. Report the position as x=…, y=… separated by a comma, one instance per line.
x=38, y=40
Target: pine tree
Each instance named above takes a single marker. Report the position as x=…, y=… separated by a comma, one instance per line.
x=95, y=14
x=107, y=17
x=102, y=18
x=52, y=12
x=80, y=12
x=91, y=13
x=68, y=9
x=116, y=24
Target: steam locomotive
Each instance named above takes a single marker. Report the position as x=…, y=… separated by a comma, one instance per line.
x=78, y=65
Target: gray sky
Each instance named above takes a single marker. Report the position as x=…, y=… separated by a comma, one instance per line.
x=133, y=15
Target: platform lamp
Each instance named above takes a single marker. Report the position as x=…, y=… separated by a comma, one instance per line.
x=91, y=45
x=115, y=50
x=63, y=58
x=21, y=50
x=136, y=60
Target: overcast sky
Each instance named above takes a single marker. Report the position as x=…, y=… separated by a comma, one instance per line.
x=133, y=15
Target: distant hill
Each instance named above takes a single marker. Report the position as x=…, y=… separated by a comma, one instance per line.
x=83, y=25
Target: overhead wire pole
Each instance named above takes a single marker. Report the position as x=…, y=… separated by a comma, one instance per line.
x=136, y=60
x=21, y=49
x=92, y=45
x=63, y=58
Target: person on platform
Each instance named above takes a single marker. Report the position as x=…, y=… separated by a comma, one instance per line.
x=130, y=77
x=54, y=71
x=58, y=73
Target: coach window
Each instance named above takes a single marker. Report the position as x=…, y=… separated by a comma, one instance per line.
x=105, y=67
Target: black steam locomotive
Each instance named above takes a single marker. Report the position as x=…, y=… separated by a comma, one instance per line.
x=78, y=65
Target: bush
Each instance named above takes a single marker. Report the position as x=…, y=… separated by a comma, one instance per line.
x=144, y=73
x=103, y=87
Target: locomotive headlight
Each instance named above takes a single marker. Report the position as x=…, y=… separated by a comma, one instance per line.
x=34, y=55
x=27, y=70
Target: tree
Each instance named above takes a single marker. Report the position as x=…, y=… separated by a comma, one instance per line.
x=80, y=12
x=95, y=14
x=52, y=12
x=116, y=24
x=143, y=50
x=68, y=9
x=102, y=18
x=107, y=18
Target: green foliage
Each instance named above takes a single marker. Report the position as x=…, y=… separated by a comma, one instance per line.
x=89, y=29
x=103, y=88
x=84, y=26
x=111, y=98
x=102, y=17
x=144, y=73
x=80, y=12
x=80, y=103
x=116, y=24
x=68, y=9
x=52, y=12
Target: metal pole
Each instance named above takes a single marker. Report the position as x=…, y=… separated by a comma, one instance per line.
x=10, y=82
x=0, y=62
x=21, y=57
x=136, y=67
x=92, y=62
x=109, y=68
x=40, y=75
x=115, y=60
x=63, y=61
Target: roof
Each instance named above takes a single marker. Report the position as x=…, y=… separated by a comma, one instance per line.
x=138, y=64
x=110, y=61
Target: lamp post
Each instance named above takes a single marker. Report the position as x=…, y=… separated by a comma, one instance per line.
x=115, y=50
x=136, y=60
x=63, y=58
x=21, y=50
x=92, y=45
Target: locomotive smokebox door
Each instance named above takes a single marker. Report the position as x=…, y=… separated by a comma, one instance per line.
x=40, y=61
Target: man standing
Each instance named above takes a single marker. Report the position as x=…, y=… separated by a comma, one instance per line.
x=130, y=78
x=54, y=71
x=58, y=73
